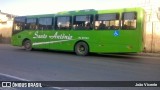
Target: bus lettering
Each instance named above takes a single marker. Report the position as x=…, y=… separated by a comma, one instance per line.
x=37, y=35
x=60, y=36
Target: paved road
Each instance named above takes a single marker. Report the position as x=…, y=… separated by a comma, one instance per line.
x=61, y=66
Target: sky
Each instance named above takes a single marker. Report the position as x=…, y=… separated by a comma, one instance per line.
x=33, y=7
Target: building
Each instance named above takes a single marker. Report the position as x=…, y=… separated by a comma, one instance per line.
x=151, y=24
x=6, y=22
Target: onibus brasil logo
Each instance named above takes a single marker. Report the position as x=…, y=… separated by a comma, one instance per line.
x=21, y=84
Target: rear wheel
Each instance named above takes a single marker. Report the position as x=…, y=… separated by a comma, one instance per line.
x=27, y=45
x=81, y=48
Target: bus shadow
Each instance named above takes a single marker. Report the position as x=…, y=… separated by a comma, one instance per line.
x=117, y=57
x=49, y=51
x=120, y=57
x=98, y=55
x=124, y=56
x=113, y=55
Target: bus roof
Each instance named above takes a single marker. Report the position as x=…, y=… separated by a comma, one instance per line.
x=93, y=11
x=120, y=10
x=83, y=12
x=77, y=12
x=38, y=16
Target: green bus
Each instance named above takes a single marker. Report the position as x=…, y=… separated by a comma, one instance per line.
x=82, y=31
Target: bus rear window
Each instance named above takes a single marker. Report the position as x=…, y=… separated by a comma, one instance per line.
x=129, y=20
x=107, y=21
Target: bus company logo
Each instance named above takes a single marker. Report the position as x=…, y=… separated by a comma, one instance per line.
x=6, y=84
x=55, y=36
x=60, y=38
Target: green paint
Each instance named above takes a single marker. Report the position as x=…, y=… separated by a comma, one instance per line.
x=99, y=41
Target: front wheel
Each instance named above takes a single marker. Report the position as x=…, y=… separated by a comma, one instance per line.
x=81, y=48
x=27, y=45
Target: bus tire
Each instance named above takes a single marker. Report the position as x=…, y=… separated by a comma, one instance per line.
x=81, y=49
x=27, y=45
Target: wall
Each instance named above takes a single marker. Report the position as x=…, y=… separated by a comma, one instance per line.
x=152, y=25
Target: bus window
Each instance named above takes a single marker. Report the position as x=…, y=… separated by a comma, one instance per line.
x=107, y=21
x=83, y=22
x=31, y=24
x=45, y=23
x=19, y=23
x=63, y=23
x=129, y=20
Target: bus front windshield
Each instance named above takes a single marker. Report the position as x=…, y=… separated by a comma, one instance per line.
x=19, y=24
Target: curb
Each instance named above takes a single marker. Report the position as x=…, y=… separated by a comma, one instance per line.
x=149, y=54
